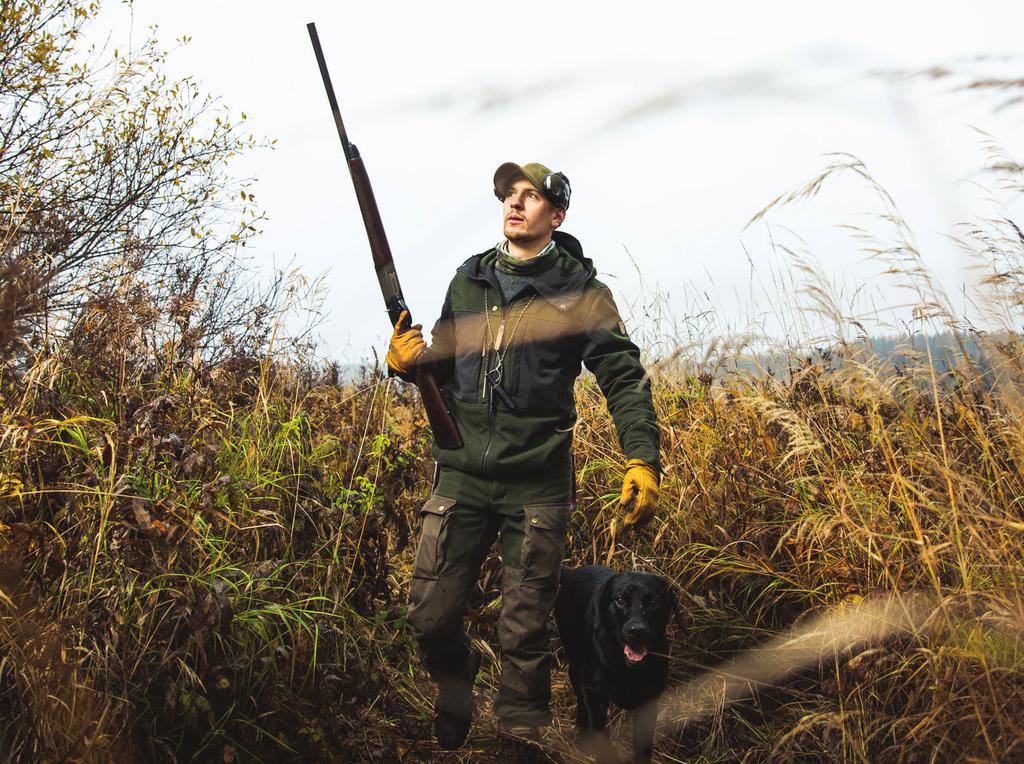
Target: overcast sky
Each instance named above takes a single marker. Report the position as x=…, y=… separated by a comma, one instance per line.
x=676, y=123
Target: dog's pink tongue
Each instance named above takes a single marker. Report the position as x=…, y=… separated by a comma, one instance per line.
x=633, y=656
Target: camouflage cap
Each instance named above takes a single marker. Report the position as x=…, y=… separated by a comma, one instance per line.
x=554, y=185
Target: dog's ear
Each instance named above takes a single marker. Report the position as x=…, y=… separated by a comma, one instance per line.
x=598, y=605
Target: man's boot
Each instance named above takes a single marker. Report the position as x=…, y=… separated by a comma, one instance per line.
x=453, y=709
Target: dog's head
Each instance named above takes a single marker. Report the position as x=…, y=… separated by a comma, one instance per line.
x=631, y=611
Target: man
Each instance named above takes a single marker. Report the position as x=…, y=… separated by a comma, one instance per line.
x=516, y=325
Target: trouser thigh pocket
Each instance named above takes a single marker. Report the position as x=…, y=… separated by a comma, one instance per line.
x=544, y=530
x=430, y=553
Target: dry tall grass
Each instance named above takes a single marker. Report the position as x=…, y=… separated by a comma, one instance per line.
x=215, y=565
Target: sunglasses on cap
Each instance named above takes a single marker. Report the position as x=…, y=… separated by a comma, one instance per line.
x=557, y=189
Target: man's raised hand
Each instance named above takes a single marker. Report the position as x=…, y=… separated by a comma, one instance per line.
x=406, y=345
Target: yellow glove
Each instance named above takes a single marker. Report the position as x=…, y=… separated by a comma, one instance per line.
x=639, y=492
x=406, y=345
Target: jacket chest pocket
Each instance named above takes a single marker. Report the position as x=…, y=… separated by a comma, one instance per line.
x=430, y=553
x=470, y=331
x=544, y=530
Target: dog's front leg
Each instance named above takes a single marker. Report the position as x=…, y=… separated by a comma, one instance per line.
x=645, y=720
x=591, y=725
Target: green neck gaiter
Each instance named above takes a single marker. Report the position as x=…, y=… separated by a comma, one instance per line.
x=539, y=262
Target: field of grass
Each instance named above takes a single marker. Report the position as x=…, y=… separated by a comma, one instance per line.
x=209, y=566
x=206, y=541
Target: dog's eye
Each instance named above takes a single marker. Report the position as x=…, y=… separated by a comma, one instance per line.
x=620, y=601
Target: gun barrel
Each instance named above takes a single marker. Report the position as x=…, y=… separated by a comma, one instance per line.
x=331, y=98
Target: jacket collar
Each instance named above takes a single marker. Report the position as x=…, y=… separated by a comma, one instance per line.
x=562, y=284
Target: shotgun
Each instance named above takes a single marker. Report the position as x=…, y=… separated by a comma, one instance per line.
x=446, y=432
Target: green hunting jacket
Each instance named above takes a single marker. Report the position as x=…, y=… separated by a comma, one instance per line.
x=571, y=321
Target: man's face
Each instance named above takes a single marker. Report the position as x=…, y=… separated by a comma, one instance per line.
x=527, y=215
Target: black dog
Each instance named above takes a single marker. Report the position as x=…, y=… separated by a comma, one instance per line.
x=612, y=626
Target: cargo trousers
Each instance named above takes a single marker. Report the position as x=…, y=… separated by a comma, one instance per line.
x=460, y=522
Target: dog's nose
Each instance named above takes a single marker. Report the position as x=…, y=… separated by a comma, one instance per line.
x=636, y=631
